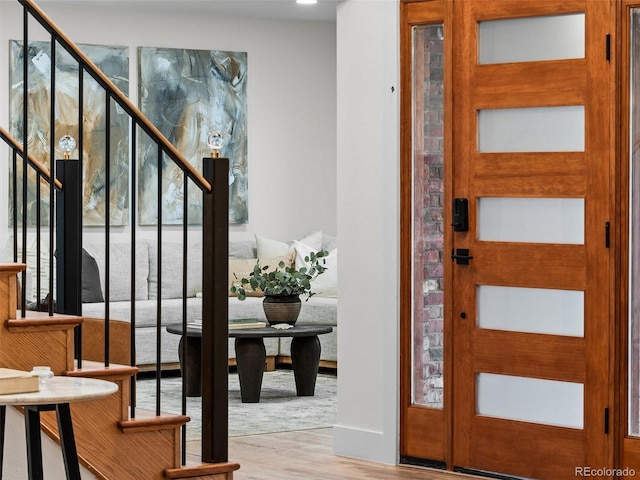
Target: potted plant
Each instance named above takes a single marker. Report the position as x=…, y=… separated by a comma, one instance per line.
x=283, y=286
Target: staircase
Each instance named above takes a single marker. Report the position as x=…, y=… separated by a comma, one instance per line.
x=115, y=440
x=110, y=444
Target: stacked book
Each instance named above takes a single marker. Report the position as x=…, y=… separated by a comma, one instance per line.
x=236, y=323
x=17, y=381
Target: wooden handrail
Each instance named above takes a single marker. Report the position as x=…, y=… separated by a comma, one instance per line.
x=116, y=94
x=13, y=143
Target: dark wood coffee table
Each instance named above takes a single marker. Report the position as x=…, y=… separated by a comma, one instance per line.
x=251, y=355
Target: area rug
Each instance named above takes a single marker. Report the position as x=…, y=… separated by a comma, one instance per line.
x=279, y=409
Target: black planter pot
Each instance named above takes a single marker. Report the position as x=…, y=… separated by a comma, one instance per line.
x=282, y=308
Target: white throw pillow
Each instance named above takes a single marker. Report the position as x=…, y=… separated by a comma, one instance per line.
x=325, y=285
x=269, y=248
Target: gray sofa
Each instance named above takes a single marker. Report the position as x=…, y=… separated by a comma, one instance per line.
x=318, y=310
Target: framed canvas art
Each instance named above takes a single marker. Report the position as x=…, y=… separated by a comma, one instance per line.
x=114, y=62
x=186, y=94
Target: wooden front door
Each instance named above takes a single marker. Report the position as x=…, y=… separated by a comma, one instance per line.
x=528, y=345
x=531, y=308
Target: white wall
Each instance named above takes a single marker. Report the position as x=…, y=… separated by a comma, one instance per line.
x=291, y=99
x=368, y=227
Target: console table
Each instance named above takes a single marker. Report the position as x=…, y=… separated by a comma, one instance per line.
x=251, y=355
x=56, y=394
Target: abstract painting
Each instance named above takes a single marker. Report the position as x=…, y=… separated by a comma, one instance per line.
x=186, y=94
x=114, y=62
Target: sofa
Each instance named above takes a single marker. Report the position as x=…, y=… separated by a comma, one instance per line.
x=320, y=309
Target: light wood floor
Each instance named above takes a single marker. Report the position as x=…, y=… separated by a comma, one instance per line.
x=308, y=455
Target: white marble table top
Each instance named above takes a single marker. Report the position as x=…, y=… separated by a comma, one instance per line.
x=62, y=389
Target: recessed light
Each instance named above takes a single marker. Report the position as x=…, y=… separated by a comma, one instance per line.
x=306, y=2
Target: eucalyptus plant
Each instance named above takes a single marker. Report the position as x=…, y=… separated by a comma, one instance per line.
x=283, y=280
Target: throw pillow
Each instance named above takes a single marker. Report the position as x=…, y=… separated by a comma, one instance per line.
x=240, y=268
x=91, y=289
x=325, y=285
x=269, y=248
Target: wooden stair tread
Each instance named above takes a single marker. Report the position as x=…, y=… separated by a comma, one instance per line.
x=42, y=321
x=200, y=470
x=94, y=369
x=148, y=420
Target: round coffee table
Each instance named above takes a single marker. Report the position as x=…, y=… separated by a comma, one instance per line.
x=251, y=355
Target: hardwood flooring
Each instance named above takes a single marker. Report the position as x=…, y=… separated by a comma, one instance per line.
x=308, y=455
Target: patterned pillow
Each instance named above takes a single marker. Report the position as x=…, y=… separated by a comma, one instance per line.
x=240, y=268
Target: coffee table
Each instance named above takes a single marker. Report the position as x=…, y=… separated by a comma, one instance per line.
x=251, y=355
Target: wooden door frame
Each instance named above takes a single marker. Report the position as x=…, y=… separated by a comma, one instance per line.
x=627, y=448
x=416, y=420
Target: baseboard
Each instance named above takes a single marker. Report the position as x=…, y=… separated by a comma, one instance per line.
x=363, y=444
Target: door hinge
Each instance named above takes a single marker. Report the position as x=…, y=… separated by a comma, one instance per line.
x=608, y=47
x=607, y=234
x=606, y=421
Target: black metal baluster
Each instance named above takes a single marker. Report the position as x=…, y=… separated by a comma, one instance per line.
x=80, y=146
x=107, y=219
x=25, y=135
x=159, y=299
x=52, y=171
x=184, y=344
x=38, y=243
x=132, y=207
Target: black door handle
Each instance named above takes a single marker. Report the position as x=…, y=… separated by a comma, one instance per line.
x=461, y=256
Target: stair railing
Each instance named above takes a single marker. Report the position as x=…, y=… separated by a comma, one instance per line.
x=213, y=184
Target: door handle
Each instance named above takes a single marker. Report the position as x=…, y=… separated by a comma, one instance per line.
x=461, y=256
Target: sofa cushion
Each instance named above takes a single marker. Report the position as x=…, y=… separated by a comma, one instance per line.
x=243, y=249
x=147, y=311
x=319, y=311
x=172, y=260
x=120, y=269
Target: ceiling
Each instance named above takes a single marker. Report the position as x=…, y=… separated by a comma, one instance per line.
x=323, y=11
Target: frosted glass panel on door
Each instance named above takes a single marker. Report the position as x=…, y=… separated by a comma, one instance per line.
x=531, y=400
x=531, y=39
x=532, y=310
x=539, y=129
x=537, y=220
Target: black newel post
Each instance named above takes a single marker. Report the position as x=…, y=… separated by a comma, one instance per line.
x=215, y=307
x=69, y=241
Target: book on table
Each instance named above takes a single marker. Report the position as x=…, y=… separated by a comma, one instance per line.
x=236, y=323
x=17, y=381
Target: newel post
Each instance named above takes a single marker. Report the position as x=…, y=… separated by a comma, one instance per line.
x=215, y=309
x=69, y=238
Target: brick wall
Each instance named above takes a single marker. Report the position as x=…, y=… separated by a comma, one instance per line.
x=430, y=323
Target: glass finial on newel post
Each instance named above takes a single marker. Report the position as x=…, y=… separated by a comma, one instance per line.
x=67, y=144
x=215, y=141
